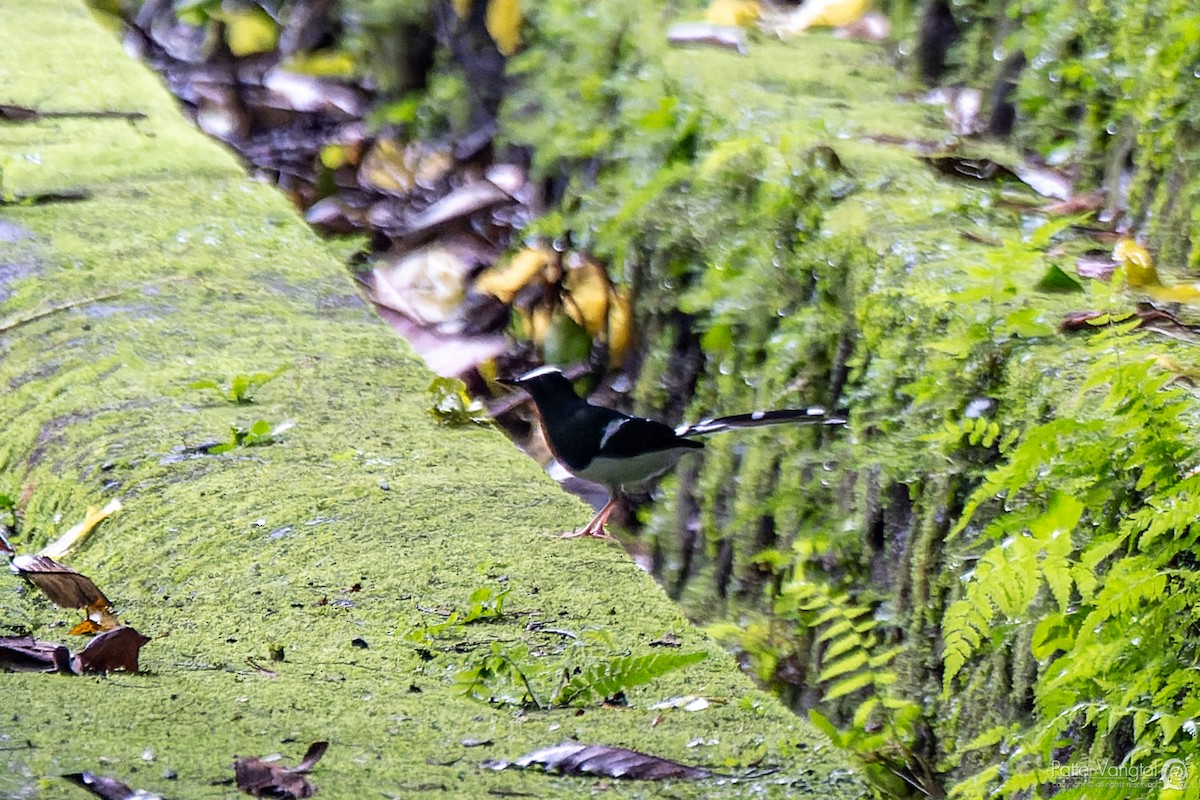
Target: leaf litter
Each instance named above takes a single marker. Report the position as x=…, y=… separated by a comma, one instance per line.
x=115, y=647
x=108, y=788
x=258, y=778
x=586, y=760
x=597, y=760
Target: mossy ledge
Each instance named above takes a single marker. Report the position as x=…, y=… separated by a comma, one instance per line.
x=178, y=268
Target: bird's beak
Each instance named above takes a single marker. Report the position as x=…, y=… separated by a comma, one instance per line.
x=509, y=381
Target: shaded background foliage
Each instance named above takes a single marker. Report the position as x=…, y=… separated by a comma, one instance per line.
x=921, y=583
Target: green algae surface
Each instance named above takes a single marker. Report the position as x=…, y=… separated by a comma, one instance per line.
x=284, y=586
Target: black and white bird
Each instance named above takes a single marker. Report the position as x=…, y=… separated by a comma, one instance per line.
x=621, y=452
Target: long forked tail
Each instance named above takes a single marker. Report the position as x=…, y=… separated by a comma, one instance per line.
x=795, y=416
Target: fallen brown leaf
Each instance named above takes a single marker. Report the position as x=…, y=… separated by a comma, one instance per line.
x=64, y=586
x=260, y=779
x=26, y=654
x=108, y=788
x=687, y=34
x=113, y=650
x=1078, y=204
x=576, y=758
x=456, y=207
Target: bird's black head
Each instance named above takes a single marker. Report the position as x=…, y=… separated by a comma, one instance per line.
x=548, y=387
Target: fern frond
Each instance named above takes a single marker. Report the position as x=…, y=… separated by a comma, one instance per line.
x=859, y=680
x=839, y=668
x=966, y=622
x=1131, y=582
x=607, y=678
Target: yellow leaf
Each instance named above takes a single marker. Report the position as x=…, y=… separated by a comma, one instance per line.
x=386, y=167
x=323, y=64
x=504, y=280
x=250, y=30
x=620, y=328
x=539, y=324
x=333, y=156
x=504, y=24
x=822, y=14
x=733, y=13
x=587, y=290
x=64, y=544
x=1186, y=293
x=461, y=7
x=1141, y=273
x=1139, y=265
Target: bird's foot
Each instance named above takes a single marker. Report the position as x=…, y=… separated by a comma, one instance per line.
x=595, y=528
x=586, y=532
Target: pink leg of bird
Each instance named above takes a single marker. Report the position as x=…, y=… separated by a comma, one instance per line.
x=595, y=528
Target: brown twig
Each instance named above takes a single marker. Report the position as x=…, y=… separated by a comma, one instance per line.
x=13, y=324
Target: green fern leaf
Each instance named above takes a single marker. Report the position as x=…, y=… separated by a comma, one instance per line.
x=840, y=627
x=848, y=664
x=963, y=629
x=1128, y=584
x=852, y=684
x=610, y=677
x=843, y=646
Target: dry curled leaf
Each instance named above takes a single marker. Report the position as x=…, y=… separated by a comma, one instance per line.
x=688, y=702
x=26, y=654
x=108, y=788
x=113, y=650
x=1044, y=180
x=425, y=285
x=64, y=586
x=576, y=758
x=260, y=779
x=456, y=207
x=686, y=34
